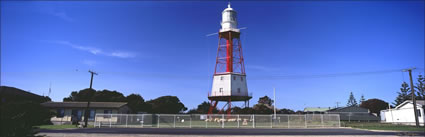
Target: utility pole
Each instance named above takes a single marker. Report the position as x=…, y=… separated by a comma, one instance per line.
x=274, y=102
x=413, y=95
x=86, y=113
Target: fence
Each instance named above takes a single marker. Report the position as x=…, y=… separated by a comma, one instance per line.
x=216, y=121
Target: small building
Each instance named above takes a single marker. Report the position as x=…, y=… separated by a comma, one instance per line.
x=66, y=110
x=403, y=113
x=353, y=113
x=316, y=110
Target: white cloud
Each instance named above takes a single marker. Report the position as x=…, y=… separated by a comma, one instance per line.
x=97, y=51
x=122, y=54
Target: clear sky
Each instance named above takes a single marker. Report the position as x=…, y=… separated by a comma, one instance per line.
x=160, y=48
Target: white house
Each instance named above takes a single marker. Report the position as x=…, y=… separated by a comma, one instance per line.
x=403, y=113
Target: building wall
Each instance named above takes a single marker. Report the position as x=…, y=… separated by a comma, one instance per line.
x=230, y=84
x=403, y=115
x=66, y=119
x=239, y=81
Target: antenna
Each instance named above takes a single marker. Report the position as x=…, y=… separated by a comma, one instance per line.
x=50, y=89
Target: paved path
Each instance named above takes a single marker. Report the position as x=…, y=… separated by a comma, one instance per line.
x=189, y=132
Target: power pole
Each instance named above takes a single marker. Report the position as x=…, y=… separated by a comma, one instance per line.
x=413, y=95
x=274, y=102
x=86, y=113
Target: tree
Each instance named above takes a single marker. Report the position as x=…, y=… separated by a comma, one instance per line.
x=202, y=108
x=262, y=109
x=403, y=95
x=420, y=88
x=285, y=111
x=362, y=99
x=109, y=96
x=20, y=112
x=351, y=100
x=167, y=105
x=98, y=96
x=374, y=105
x=136, y=103
x=265, y=100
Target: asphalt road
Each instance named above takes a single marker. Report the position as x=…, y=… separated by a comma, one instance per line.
x=218, y=131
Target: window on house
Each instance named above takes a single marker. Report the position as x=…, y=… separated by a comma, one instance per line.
x=221, y=78
x=234, y=77
x=239, y=90
x=221, y=90
x=241, y=78
x=77, y=114
x=60, y=113
x=107, y=111
x=92, y=114
x=419, y=113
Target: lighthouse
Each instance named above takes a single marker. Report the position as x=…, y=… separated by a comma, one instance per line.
x=229, y=79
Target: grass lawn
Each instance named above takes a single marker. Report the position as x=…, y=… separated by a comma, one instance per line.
x=59, y=126
x=381, y=126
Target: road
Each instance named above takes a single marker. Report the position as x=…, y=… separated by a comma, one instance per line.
x=220, y=132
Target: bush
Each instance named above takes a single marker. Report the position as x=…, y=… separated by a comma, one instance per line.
x=19, y=118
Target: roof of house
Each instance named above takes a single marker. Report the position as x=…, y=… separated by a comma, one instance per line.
x=418, y=102
x=315, y=109
x=84, y=104
x=349, y=109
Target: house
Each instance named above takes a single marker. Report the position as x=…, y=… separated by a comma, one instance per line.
x=316, y=110
x=66, y=110
x=403, y=113
x=353, y=113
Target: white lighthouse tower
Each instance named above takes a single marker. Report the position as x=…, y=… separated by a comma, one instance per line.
x=229, y=80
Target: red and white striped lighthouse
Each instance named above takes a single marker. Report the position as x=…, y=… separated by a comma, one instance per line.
x=229, y=81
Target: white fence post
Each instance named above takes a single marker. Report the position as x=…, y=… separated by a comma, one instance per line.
x=110, y=123
x=93, y=122
x=143, y=120
x=158, y=120
x=126, y=120
x=190, y=121
x=321, y=120
x=339, y=120
x=305, y=120
x=253, y=121
x=288, y=120
x=238, y=121
x=271, y=118
x=174, y=125
x=222, y=121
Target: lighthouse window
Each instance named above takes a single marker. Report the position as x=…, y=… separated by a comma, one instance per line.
x=241, y=78
x=239, y=90
x=221, y=89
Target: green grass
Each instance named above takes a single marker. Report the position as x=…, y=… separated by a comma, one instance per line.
x=381, y=126
x=59, y=126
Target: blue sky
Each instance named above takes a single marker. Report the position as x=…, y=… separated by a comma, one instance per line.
x=160, y=48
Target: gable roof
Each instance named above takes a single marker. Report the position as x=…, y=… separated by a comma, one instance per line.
x=349, y=109
x=84, y=104
x=314, y=109
x=418, y=102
